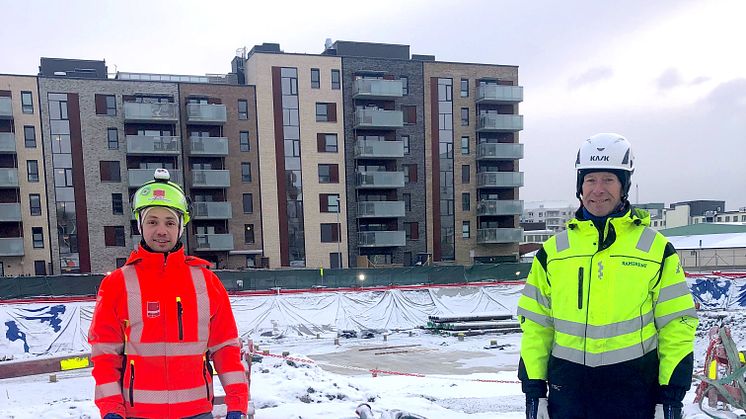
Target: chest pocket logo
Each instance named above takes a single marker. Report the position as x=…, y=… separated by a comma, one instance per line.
x=154, y=309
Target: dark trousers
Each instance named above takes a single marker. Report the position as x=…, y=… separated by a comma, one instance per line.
x=628, y=390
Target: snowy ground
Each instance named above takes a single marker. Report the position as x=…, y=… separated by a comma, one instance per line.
x=310, y=390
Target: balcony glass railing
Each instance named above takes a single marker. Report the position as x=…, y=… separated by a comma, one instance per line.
x=212, y=211
x=219, y=242
x=11, y=246
x=7, y=142
x=500, y=179
x=380, y=180
x=6, y=107
x=150, y=112
x=380, y=209
x=381, y=239
x=208, y=146
x=206, y=113
x=504, y=123
x=499, y=207
x=157, y=145
x=379, y=149
x=493, y=93
x=375, y=88
x=500, y=151
x=378, y=119
x=499, y=235
x=10, y=212
x=211, y=179
x=8, y=177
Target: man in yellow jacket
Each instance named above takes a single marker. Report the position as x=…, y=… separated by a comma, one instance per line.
x=608, y=320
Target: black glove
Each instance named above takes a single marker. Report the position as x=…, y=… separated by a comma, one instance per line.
x=112, y=416
x=235, y=415
x=671, y=412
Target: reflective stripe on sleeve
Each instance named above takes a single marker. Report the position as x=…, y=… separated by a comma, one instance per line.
x=673, y=291
x=662, y=321
x=533, y=293
x=229, y=342
x=605, y=358
x=98, y=349
x=108, y=390
x=235, y=377
x=541, y=319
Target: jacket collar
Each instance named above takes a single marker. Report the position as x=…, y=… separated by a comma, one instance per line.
x=632, y=216
x=148, y=259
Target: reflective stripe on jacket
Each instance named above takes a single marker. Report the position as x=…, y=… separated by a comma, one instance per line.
x=598, y=300
x=159, y=322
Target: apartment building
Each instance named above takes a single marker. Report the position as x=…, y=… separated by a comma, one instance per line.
x=555, y=214
x=24, y=230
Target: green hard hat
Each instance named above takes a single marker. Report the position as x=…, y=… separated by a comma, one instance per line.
x=161, y=192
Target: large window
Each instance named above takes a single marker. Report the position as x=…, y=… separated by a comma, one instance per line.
x=315, y=78
x=35, y=203
x=109, y=171
x=32, y=169
x=29, y=136
x=248, y=203
x=106, y=105
x=328, y=173
x=243, y=109
x=464, y=87
x=244, y=141
x=37, y=235
x=336, y=80
x=246, y=172
x=326, y=112
x=27, y=102
x=329, y=233
x=328, y=202
x=327, y=143
x=114, y=236
x=112, y=137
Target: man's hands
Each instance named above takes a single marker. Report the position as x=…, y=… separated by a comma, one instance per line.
x=537, y=408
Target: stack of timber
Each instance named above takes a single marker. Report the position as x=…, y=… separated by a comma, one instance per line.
x=473, y=324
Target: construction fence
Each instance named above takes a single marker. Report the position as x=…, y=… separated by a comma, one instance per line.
x=260, y=279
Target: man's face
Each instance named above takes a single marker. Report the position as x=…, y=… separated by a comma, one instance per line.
x=160, y=229
x=602, y=193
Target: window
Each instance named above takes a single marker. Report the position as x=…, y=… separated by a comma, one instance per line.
x=410, y=173
x=466, y=229
x=326, y=112
x=35, y=203
x=412, y=230
x=335, y=260
x=114, y=236
x=37, y=234
x=32, y=169
x=315, y=78
x=465, y=201
x=410, y=114
x=328, y=173
x=27, y=102
x=404, y=85
x=248, y=233
x=329, y=233
x=405, y=140
x=464, y=117
x=336, y=80
x=40, y=267
x=112, y=138
x=407, y=201
x=465, y=173
x=248, y=203
x=327, y=143
x=245, y=145
x=245, y=172
x=29, y=135
x=465, y=145
x=106, y=105
x=109, y=171
x=120, y=262
x=464, y=87
x=117, y=206
x=243, y=109
x=328, y=202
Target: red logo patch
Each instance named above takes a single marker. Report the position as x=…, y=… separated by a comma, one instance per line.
x=154, y=309
x=159, y=193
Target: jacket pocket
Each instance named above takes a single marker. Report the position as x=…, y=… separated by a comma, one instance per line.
x=580, y=288
x=132, y=383
x=179, y=314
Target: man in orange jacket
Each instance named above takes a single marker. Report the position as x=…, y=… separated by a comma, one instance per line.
x=162, y=321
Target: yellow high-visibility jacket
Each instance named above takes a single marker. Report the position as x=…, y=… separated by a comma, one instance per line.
x=601, y=299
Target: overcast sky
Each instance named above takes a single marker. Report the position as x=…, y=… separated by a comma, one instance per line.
x=668, y=74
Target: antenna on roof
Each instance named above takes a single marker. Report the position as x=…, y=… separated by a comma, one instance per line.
x=328, y=43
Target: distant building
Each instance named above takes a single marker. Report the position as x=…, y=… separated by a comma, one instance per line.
x=555, y=214
x=707, y=246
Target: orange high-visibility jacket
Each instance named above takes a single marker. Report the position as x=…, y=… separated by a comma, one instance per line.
x=159, y=321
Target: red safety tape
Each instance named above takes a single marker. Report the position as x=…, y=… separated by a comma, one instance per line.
x=374, y=372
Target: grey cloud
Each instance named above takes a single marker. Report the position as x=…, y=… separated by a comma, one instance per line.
x=669, y=79
x=728, y=96
x=591, y=76
x=699, y=80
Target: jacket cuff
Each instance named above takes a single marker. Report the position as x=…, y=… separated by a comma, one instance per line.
x=534, y=389
x=673, y=395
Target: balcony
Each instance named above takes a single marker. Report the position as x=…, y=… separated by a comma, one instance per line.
x=153, y=145
x=136, y=177
x=499, y=151
x=380, y=209
x=499, y=207
x=500, y=123
x=494, y=93
x=150, y=112
x=214, y=242
x=211, y=179
x=208, y=146
x=203, y=113
x=7, y=142
x=9, y=177
x=499, y=235
x=381, y=239
x=377, y=89
x=380, y=180
x=11, y=246
x=499, y=180
x=10, y=212
x=371, y=118
x=212, y=211
x=6, y=108
x=379, y=149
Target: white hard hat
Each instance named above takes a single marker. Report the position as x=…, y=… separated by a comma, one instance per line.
x=606, y=152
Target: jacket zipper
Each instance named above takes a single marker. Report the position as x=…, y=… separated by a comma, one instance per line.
x=179, y=311
x=205, y=371
x=580, y=288
x=132, y=383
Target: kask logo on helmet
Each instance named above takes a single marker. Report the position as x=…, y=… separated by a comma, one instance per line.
x=600, y=158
